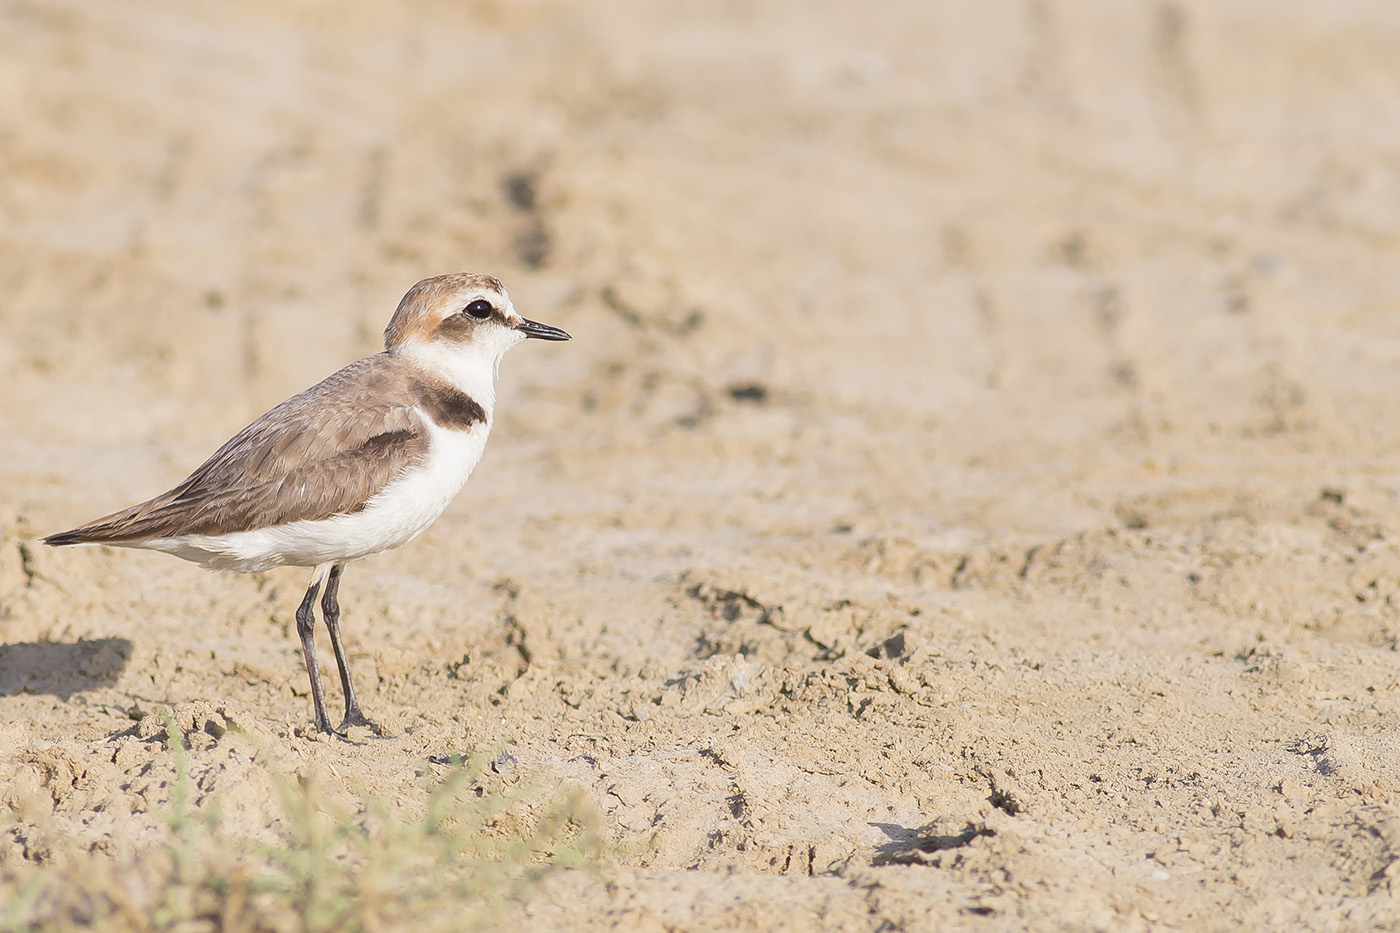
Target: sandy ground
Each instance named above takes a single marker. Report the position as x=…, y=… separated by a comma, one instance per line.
x=969, y=499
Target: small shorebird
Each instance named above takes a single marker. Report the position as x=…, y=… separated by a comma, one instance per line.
x=358, y=464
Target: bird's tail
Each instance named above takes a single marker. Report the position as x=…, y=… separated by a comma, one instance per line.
x=76, y=536
x=122, y=527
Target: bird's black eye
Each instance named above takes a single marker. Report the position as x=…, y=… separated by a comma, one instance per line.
x=480, y=309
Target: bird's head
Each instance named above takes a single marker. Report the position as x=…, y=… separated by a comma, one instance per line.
x=460, y=325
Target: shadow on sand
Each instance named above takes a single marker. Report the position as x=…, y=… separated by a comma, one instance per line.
x=62, y=668
x=913, y=846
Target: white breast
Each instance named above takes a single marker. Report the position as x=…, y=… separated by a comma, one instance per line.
x=396, y=515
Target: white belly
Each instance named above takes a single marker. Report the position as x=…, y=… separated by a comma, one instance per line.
x=399, y=513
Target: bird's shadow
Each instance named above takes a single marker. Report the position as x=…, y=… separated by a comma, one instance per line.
x=912, y=846
x=62, y=668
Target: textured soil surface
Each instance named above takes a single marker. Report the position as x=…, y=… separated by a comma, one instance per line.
x=969, y=499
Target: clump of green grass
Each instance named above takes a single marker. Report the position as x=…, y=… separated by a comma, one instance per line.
x=466, y=861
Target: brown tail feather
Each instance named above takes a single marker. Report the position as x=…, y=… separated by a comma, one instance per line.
x=130, y=524
x=88, y=534
x=66, y=537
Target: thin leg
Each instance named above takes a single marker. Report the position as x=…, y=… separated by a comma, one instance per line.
x=330, y=608
x=306, y=628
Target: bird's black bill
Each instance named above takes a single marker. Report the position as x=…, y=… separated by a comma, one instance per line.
x=541, y=331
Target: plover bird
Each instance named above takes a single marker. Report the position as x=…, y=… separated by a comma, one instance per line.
x=358, y=464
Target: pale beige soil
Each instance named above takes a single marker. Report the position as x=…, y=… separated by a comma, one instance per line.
x=969, y=500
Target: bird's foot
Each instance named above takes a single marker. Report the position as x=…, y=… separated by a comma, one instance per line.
x=353, y=717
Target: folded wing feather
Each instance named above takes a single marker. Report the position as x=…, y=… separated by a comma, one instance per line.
x=324, y=452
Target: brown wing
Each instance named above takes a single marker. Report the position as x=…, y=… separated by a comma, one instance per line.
x=321, y=453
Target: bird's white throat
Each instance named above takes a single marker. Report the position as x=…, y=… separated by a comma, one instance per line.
x=471, y=367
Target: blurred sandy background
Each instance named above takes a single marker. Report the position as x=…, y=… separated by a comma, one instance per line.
x=969, y=499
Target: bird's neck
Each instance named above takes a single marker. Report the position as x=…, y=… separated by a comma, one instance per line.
x=468, y=369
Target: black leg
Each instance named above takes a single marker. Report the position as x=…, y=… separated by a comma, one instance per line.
x=306, y=628
x=330, y=608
